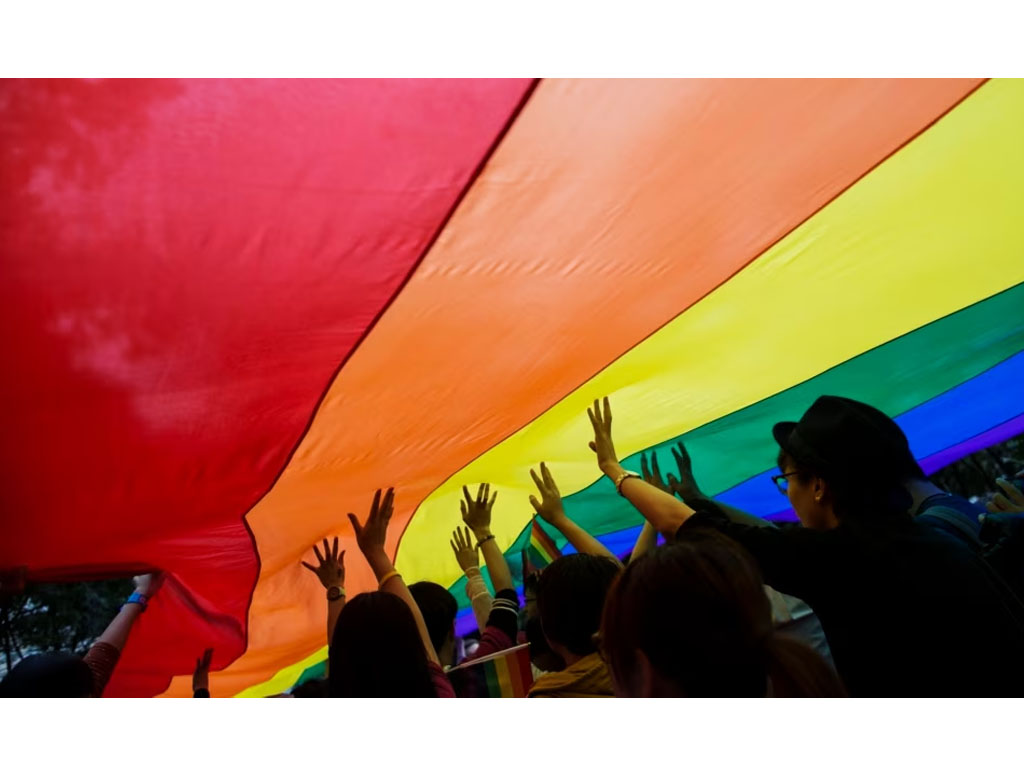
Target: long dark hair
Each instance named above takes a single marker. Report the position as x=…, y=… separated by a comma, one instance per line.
x=698, y=611
x=376, y=650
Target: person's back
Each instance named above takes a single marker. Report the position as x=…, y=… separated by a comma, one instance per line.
x=909, y=611
x=570, y=599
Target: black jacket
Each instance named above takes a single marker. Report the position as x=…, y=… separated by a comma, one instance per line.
x=907, y=610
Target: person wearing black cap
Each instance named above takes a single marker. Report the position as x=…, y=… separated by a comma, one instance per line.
x=907, y=611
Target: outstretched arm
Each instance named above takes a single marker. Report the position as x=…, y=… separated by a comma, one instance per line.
x=685, y=487
x=116, y=633
x=103, y=656
x=645, y=542
x=663, y=510
x=476, y=513
x=476, y=589
x=371, y=536
x=331, y=572
x=552, y=511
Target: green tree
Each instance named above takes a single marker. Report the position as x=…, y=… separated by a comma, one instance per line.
x=58, y=617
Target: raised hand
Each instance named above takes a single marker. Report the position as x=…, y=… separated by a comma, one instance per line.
x=477, y=513
x=1011, y=500
x=465, y=552
x=201, y=675
x=652, y=473
x=602, y=444
x=550, y=506
x=685, y=485
x=148, y=584
x=331, y=570
x=370, y=536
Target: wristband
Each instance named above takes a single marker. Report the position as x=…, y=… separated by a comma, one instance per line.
x=483, y=540
x=141, y=600
x=623, y=477
x=387, y=576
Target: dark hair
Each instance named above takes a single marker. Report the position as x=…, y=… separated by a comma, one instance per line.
x=541, y=655
x=697, y=609
x=438, y=607
x=48, y=675
x=377, y=651
x=311, y=689
x=570, y=598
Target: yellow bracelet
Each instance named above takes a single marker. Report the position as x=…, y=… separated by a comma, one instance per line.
x=386, y=577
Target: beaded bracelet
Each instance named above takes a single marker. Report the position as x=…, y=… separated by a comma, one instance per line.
x=483, y=540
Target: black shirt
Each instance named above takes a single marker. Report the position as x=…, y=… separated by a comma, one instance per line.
x=907, y=610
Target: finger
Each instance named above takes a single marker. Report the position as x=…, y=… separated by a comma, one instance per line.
x=376, y=503
x=316, y=551
x=327, y=550
x=207, y=658
x=549, y=479
x=597, y=413
x=655, y=467
x=341, y=559
x=355, y=525
x=593, y=446
x=1001, y=503
x=607, y=413
x=462, y=506
x=481, y=493
x=494, y=498
x=992, y=508
x=673, y=481
x=467, y=542
x=644, y=469
x=535, y=504
x=469, y=498
x=309, y=566
x=1012, y=493
x=334, y=549
x=388, y=505
x=454, y=548
x=537, y=482
x=593, y=421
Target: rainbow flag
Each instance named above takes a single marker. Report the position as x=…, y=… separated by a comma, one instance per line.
x=541, y=549
x=503, y=675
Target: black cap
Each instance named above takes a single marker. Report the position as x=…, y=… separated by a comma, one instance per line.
x=847, y=438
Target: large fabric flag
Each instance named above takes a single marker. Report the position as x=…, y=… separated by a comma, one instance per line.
x=236, y=308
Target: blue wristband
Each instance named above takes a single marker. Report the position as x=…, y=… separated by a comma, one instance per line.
x=137, y=598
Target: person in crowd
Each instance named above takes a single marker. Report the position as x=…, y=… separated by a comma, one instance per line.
x=570, y=597
x=542, y=657
x=65, y=675
x=792, y=616
x=379, y=642
x=316, y=688
x=439, y=608
x=201, y=675
x=692, y=619
x=1002, y=534
x=907, y=611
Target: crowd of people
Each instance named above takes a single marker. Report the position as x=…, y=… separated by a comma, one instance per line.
x=888, y=586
